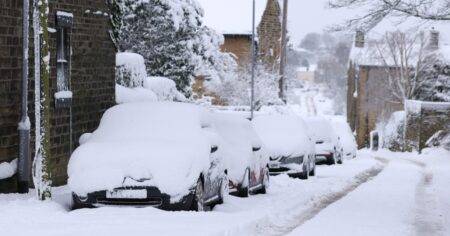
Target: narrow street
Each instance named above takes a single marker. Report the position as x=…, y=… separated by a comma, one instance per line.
x=374, y=194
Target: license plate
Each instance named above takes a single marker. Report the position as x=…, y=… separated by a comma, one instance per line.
x=274, y=165
x=127, y=194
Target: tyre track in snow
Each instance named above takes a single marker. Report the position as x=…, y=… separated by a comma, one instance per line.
x=428, y=221
x=268, y=227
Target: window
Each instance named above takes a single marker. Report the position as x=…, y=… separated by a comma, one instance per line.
x=63, y=95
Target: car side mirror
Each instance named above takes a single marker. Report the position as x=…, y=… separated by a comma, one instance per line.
x=214, y=149
x=255, y=149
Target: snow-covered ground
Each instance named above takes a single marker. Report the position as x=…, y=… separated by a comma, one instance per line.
x=378, y=193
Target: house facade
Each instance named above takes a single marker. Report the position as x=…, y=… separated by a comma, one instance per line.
x=370, y=98
x=82, y=64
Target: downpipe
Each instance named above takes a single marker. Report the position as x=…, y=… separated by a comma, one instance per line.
x=23, y=166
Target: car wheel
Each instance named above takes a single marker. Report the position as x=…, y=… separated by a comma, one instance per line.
x=331, y=160
x=224, y=189
x=341, y=158
x=244, y=188
x=265, y=182
x=313, y=171
x=78, y=204
x=198, y=203
x=305, y=173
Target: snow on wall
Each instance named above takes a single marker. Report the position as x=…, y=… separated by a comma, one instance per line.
x=8, y=169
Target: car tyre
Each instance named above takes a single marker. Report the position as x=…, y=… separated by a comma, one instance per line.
x=305, y=173
x=245, y=186
x=198, y=202
x=78, y=204
x=265, y=182
x=224, y=189
x=331, y=160
x=313, y=171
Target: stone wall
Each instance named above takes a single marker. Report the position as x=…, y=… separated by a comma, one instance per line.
x=269, y=34
x=240, y=47
x=92, y=79
x=423, y=120
x=371, y=104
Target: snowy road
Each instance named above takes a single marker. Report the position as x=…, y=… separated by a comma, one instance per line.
x=373, y=194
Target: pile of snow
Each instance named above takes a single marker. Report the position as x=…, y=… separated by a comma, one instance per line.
x=282, y=135
x=130, y=69
x=238, y=138
x=164, y=89
x=8, y=169
x=162, y=143
x=138, y=94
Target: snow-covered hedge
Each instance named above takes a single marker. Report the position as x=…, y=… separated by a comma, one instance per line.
x=164, y=89
x=393, y=132
x=130, y=69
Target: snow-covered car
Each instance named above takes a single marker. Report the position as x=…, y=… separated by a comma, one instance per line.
x=347, y=139
x=244, y=157
x=328, y=145
x=160, y=154
x=285, y=138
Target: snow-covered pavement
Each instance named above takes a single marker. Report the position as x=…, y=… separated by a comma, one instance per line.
x=377, y=193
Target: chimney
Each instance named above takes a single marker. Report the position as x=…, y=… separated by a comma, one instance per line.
x=434, y=39
x=359, y=39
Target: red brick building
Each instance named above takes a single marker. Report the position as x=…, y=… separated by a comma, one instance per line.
x=87, y=66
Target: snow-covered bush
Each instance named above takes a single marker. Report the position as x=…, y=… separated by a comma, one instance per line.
x=138, y=94
x=130, y=69
x=440, y=139
x=236, y=89
x=436, y=86
x=164, y=89
x=171, y=37
x=393, y=132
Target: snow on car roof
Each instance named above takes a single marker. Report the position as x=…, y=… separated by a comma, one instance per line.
x=282, y=135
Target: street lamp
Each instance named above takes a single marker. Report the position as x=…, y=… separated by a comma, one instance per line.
x=252, y=97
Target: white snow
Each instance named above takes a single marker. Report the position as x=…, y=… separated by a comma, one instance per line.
x=8, y=169
x=164, y=89
x=161, y=143
x=282, y=135
x=347, y=140
x=63, y=94
x=138, y=94
x=25, y=125
x=63, y=13
x=238, y=139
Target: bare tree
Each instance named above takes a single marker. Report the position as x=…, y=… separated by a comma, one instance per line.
x=436, y=10
x=405, y=58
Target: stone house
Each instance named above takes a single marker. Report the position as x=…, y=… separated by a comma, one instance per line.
x=369, y=97
x=82, y=61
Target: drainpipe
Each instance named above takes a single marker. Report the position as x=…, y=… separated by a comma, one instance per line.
x=23, y=166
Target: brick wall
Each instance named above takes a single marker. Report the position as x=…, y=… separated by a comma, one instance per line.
x=10, y=77
x=269, y=34
x=373, y=102
x=92, y=80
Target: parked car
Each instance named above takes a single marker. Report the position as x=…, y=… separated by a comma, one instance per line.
x=328, y=145
x=244, y=156
x=290, y=149
x=159, y=154
x=347, y=139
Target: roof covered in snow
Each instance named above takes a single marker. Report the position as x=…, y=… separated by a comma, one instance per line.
x=232, y=16
x=370, y=54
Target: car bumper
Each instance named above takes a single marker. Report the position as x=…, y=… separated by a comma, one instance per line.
x=154, y=198
x=286, y=166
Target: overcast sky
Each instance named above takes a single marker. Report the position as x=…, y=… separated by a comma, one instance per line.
x=311, y=16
